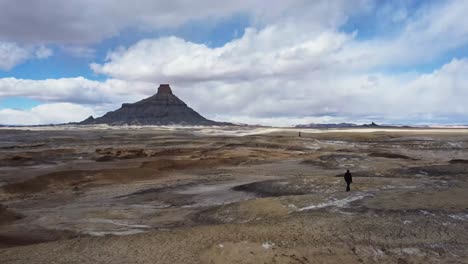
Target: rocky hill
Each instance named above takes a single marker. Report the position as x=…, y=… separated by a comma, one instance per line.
x=163, y=108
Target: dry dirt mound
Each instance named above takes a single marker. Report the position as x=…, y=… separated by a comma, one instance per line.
x=17, y=160
x=334, y=161
x=15, y=238
x=267, y=145
x=447, y=171
x=273, y=188
x=30, y=158
x=243, y=212
x=458, y=161
x=184, y=164
x=110, y=154
x=57, y=179
x=388, y=155
x=451, y=200
x=7, y=215
x=66, y=180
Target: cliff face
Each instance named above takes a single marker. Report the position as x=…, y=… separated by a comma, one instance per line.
x=163, y=108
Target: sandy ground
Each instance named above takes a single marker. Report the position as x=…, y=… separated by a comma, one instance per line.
x=245, y=195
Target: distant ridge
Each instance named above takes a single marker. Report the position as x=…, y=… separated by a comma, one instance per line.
x=163, y=108
x=339, y=125
x=349, y=125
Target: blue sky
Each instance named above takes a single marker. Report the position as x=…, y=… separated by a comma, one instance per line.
x=275, y=63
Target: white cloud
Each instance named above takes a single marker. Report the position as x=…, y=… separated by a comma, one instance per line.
x=55, y=113
x=79, y=51
x=427, y=35
x=12, y=54
x=43, y=52
x=273, y=51
x=76, y=90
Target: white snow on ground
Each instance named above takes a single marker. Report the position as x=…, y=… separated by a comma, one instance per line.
x=335, y=202
x=377, y=252
x=455, y=144
x=240, y=132
x=132, y=229
x=115, y=233
x=267, y=245
x=461, y=217
x=313, y=146
x=113, y=222
x=424, y=212
x=412, y=251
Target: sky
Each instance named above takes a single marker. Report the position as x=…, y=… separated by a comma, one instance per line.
x=273, y=62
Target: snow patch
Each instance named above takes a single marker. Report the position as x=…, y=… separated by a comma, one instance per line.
x=424, y=212
x=267, y=245
x=461, y=217
x=335, y=202
x=113, y=222
x=455, y=144
x=115, y=233
x=412, y=251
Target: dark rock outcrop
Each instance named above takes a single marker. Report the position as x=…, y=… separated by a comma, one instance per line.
x=349, y=125
x=88, y=120
x=163, y=108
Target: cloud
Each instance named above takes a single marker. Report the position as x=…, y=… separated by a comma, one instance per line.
x=12, y=54
x=273, y=51
x=89, y=21
x=55, y=113
x=79, y=51
x=430, y=33
x=75, y=90
x=291, y=48
x=42, y=52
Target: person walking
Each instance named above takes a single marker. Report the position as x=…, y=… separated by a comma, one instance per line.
x=349, y=179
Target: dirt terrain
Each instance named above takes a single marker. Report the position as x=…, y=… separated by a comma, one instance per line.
x=232, y=195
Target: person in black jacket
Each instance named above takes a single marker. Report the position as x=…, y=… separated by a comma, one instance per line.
x=349, y=179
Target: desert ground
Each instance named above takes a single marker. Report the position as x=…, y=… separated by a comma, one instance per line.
x=232, y=195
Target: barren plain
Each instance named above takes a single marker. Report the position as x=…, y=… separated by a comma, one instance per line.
x=232, y=195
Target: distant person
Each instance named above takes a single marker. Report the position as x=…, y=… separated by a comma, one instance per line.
x=349, y=179
x=299, y=134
